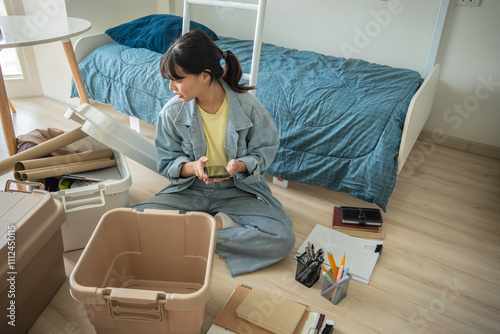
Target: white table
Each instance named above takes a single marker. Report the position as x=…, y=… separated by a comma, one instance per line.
x=19, y=31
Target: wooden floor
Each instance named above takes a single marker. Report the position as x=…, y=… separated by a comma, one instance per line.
x=438, y=272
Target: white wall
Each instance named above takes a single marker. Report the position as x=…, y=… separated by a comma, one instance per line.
x=395, y=32
x=467, y=102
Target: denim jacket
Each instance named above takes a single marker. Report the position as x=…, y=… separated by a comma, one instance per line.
x=251, y=137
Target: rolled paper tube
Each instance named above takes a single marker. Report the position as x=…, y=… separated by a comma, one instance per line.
x=63, y=159
x=42, y=149
x=41, y=173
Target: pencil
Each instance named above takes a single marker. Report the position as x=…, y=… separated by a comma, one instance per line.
x=324, y=268
x=333, y=265
x=342, y=263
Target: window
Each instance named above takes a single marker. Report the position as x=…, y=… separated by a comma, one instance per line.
x=9, y=60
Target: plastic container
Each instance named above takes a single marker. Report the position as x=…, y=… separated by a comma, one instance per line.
x=84, y=206
x=31, y=249
x=146, y=272
x=114, y=134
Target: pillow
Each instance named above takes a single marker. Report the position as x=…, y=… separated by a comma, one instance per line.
x=154, y=32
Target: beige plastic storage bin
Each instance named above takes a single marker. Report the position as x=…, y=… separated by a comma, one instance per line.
x=146, y=272
x=31, y=252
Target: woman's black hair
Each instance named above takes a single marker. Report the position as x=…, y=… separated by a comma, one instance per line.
x=195, y=52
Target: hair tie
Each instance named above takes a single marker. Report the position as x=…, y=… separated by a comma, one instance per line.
x=223, y=60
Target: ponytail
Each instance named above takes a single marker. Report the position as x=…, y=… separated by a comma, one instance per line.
x=232, y=73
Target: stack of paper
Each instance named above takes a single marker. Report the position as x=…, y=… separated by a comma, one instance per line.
x=361, y=254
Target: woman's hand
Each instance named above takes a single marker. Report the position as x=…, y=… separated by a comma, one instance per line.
x=196, y=168
x=232, y=168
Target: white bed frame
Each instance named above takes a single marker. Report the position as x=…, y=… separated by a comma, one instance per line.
x=418, y=110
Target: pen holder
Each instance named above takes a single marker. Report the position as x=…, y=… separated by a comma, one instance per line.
x=334, y=292
x=308, y=270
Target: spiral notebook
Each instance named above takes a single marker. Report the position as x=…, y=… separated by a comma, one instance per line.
x=270, y=311
x=228, y=319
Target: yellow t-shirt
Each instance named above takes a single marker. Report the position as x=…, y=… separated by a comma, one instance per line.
x=215, y=134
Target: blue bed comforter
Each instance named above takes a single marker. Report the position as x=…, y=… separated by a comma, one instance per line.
x=340, y=120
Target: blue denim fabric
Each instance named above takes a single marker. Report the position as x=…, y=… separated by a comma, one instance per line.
x=251, y=137
x=264, y=238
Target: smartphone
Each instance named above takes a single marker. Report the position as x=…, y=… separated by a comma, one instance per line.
x=216, y=172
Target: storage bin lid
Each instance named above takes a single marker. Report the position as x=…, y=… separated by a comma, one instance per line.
x=114, y=134
x=27, y=222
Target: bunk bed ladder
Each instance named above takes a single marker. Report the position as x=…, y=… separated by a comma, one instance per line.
x=260, y=8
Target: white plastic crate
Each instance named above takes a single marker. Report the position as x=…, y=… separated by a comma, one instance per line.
x=85, y=206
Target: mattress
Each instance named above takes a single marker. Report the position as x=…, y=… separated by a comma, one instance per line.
x=340, y=120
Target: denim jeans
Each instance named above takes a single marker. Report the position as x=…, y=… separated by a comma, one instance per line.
x=264, y=237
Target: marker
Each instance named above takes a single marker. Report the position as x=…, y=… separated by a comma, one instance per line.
x=343, y=280
x=340, y=273
x=339, y=278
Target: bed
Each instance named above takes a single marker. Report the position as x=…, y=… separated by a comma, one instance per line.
x=345, y=124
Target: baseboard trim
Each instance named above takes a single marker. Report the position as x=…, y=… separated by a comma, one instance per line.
x=462, y=145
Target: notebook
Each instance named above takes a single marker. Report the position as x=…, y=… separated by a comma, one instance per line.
x=361, y=216
x=271, y=311
x=361, y=231
x=228, y=320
